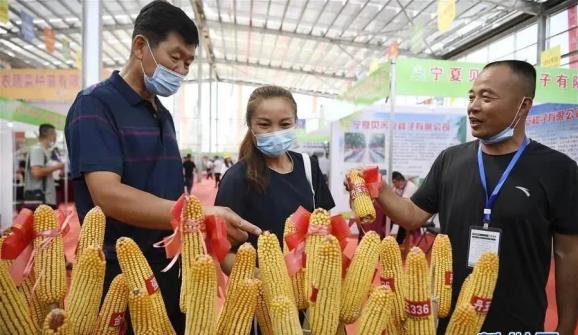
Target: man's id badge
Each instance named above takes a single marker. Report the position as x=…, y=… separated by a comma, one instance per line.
x=481, y=241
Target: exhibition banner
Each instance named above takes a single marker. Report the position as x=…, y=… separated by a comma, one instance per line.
x=441, y=78
x=370, y=89
x=18, y=111
x=555, y=125
x=362, y=139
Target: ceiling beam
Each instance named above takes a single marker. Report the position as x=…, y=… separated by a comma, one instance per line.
x=521, y=6
x=204, y=33
x=285, y=69
x=324, y=94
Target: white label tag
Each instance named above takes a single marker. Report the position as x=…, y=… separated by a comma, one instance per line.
x=482, y=241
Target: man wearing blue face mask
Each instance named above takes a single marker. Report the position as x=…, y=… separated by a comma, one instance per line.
x=123, y=150
x=508, y=194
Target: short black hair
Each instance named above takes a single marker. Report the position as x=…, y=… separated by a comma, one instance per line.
x=524, y=70
x=44, y=130
x=159, y=18
x=188, y=156
x=397, y=176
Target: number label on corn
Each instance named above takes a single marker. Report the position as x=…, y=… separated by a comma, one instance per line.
x=481, y=305
x=390, y=282
x=314, y=292
x=152, y=285
x=418, y=308
x=357, y=190
x=116, y=319
x=449, y=278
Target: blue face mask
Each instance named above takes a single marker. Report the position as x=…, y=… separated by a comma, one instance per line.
x=276, y=143
x=505, y=134
x=163, y=82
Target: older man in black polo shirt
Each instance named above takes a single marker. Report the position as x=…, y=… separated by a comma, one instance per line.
x=123, y=149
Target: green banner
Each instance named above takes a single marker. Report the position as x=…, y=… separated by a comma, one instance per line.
x=18, y=111
x=441, y=78
x=370, y=89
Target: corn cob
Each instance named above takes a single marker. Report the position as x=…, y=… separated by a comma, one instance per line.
x=484, y=278
x=92, y=231
x=418, y=296
x=111, y=318
x=325, y=300
x=86, y=290
x=319, y=220
x=272, y=268
x=463, y=321
x=359, y=277
x=262, y=312
x=193, y=244
x=143, y=317
x=392, y=275
x=49, y=264
x=361, y=202
x=139, y=276
x=395, y=328
x=284, y=316
x=202, y=304
x=377, y=311
x=57, y=323
x=239, y=309
x=15, y=317
x=466, y=291
x=442, y=274
x=298, y=279
x=243, y=268
x=38, y=311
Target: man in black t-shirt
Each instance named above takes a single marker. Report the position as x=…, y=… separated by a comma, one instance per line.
x=189, y=168
x=536, y=204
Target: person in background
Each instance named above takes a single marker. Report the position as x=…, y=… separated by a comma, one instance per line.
x=136, y=176
x=227, y=163
x=403, y=188
x=217, y=167
x=270, y=182
x=208, y=166
x=504, y=186
x=189, y=169
x=39, y=185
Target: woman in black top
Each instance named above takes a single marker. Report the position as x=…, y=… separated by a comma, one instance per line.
x=270, y=182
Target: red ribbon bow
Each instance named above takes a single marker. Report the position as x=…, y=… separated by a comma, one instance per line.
x=296, y=258
x=216, y=244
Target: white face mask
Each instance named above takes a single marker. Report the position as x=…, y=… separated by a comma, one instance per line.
x=508, y=132
x=276, y=143
x=163, y=82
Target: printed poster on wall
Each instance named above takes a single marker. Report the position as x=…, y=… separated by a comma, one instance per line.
x=555, y=125
x=362, y=139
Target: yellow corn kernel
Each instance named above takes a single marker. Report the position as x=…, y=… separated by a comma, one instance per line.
x=86, y=288
x=392, y=275
x=272, y=268
x=483, y=283
x=202, y=304
x=284, y=316
x=192, y=244
x=466, y=291
x=239, y=309
x=143, y=318
x=418, y=295
x=361, y=202
x=298, y=279
x=57, y=323
x=359, y=276
x=395, y=328
x=320, y=219
x=377, y=311
x=326, y=297
x=243, y=268
x=38, y=311
x=262, y=312
x=463, y=321
x=15, y=317
x=49, y=262
x=92, y=230
x=442, y=274
x=112, y=313
x=139, y=277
